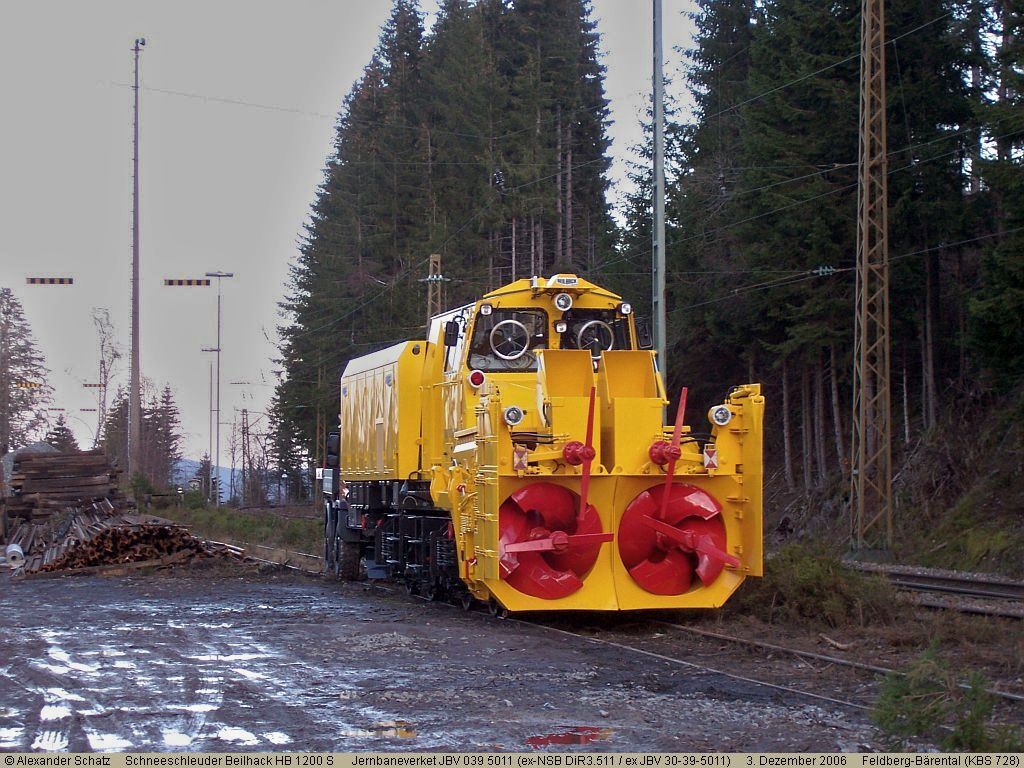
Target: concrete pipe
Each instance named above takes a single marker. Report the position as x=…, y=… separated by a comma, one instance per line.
x=15, y=557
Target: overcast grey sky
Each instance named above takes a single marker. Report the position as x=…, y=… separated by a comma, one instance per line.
x=223, y=186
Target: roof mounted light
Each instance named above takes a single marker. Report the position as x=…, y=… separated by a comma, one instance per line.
x=563, y=302
x=721, y=415
x=486, y=309
x=476, y=379
x=513, y=415
x=626, y=309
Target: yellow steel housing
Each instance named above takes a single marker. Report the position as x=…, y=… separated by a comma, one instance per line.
x=379, y=422
x=411, y=408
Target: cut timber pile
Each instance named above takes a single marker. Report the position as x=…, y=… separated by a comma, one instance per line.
x=66, y=512
x=85, y=538
x=42, y=484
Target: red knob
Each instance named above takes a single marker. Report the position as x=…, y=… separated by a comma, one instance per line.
x=576, y=453
x=662, y=453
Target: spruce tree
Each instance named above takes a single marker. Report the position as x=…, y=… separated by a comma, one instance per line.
x=24, y=393
x=61, y=437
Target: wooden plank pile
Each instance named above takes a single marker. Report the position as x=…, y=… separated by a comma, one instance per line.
x=80, y=537
x=67, y=513
x=42, y=484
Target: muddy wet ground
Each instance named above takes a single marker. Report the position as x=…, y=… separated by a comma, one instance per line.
x=224, y=660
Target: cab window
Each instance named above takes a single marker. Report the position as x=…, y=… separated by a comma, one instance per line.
x=508, y=340
x=595, y=330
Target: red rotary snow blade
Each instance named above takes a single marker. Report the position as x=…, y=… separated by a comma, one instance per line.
x=662, y=555
x=545, y=548
x=677, y=434
x=588, y=453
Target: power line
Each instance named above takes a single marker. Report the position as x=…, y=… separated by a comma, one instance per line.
x=724, y=227
x=826, y=68
x=347, y=118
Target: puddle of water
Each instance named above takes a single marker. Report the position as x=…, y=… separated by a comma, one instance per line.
x=396, y=729
x=248, y=674
x=59, y=694
x=107, y=741
x=239, y=735
x=276, y=737
x=54, y=712
x=193, y=707
x=583, y=734
x=63, y=657
x=50, y=741
x=174, y=738
x=11, y=737
x=229, y=657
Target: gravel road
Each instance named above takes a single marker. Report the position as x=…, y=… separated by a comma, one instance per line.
x=225, y=659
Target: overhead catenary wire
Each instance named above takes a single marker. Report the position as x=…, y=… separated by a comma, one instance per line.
x=721, y=228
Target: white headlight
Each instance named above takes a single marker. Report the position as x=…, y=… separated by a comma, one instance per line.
x=561, y=326
x=563, y=302
x=721, y=415
x=513, y=415
x=485, y=309
x=625, y=308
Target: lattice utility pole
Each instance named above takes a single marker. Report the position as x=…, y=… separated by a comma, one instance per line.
x=246, y=459
x=435, y=287
x=321, y=438
x=871, y=478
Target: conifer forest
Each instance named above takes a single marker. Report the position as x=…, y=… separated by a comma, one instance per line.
x=486, y=141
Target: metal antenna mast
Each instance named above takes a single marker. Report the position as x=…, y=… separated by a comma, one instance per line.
x=135, y=393
x=871, y=479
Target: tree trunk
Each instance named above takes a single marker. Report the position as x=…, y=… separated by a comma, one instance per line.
x=787, y=442
x=805, y=413
x=906, y=408
x=533, y=246
x=513, y=249
x=928, y=360
x=540, y=245
x=837, y=414
x=558, y=190
x=819, y=418
x=569, y=255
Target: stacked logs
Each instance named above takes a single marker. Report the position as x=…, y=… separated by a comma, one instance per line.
x=79, y=537
x=43, y=484
x=66, y=512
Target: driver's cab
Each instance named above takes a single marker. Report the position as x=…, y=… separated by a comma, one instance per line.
x=506, y=329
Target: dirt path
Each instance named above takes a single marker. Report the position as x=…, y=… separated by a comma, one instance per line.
x=230, y=660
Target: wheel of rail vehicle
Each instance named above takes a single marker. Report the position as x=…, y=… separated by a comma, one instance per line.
x=497, y=610
x=466, y=600
x=412, y=586
x=330, y=532
x=337, y=543
x=349, y=564
x=433, y=591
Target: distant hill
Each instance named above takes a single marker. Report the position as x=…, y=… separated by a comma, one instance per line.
x=186, y=469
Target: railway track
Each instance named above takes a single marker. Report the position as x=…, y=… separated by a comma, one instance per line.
x=957, y=590
x=875, y=670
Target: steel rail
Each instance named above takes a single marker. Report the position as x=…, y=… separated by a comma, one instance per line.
x=818, y=656
x=673, y=660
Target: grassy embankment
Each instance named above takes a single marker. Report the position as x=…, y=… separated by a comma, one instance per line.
x=252, y=527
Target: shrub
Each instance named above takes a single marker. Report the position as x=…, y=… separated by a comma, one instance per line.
x=929, y=702
x=807, y=587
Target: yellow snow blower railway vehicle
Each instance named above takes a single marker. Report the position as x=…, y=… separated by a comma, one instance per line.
x=518, y=456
